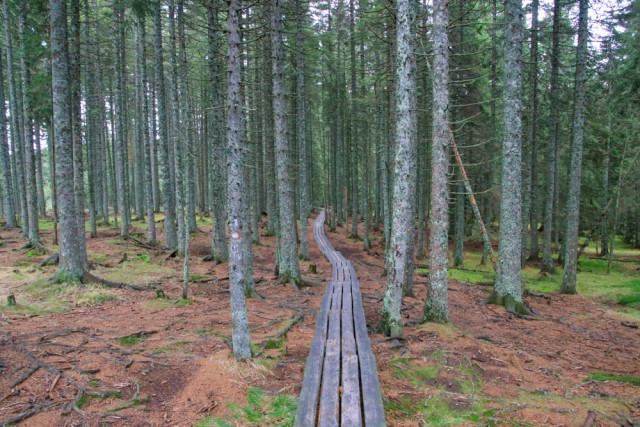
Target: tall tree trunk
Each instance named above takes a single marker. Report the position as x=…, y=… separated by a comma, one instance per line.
x=5, y=161
x=604, y=232
x=404, y=185
x=437, y=305
x=288, y=267
x=42, y=205
x=237, y=191
x=575, y=171
x=216, y=137
x=534, y=254
x=17, y=142
x=550, y=205
x=27, y=129
x=508, y=287
x=121, y=150
x=140, y=35
x=73, y=252
x=301, y=130
x=168, y=199
x=76, y=120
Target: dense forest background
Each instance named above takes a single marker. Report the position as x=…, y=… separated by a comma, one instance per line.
x=235, y=111
x=429, y=131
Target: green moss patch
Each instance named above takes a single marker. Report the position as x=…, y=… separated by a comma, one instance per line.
x=603, y=376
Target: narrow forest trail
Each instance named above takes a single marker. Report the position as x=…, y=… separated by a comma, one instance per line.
x=341, y=384
x=169, y=364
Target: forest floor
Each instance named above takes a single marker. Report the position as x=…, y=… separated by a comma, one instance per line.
x=86, y=355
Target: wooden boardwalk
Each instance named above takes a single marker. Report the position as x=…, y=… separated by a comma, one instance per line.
x=340, y=385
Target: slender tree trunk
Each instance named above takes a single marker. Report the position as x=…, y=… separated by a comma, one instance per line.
x=550, y=205
x=437, y=306
x=216, y=136
x=533, y=133
x=42, y=205
x=288, y=267
x=17, y=142
x=402, y=231
x=575, y=174
x=604, y=232
x=76, y=120
x=27, y=129
x=73, y=252
x=140, y=34
x=121, y=151
x=237, y=189
x=168, y=199
x=508, y=287
x=5, y=161
x=301, y=130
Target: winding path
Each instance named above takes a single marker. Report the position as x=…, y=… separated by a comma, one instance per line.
x=340, y=386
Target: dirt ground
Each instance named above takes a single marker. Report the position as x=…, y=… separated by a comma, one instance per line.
x=129, y=359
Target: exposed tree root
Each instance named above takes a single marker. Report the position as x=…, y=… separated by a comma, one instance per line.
x=81, y=390
x=27, y=414
x=289, y=323
x=308, y=283
x=51, y=260
x=25, y=376
x=512, y=306
x=37, y=246
x=171, y=254
x=145, y=245
x=90, y=278
x=591, y=418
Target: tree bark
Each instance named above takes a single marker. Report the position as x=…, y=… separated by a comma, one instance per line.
x=168, y=199
x=216, y=140
x=575, y=171
x=437, y=306
x=550, y=205
x=301, y=130
x=402, y=231
x=237, y=189
x=288, y=267
x=73, y=252
x=508, y=287
x=5, y=161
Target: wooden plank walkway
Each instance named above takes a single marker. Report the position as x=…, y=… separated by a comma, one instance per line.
x=340, y=386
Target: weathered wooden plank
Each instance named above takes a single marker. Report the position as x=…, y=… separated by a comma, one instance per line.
x=334, y=324
x=330, y=394
x=336, y=298
x=306, y=413
x=350, y=409
x=371, y=394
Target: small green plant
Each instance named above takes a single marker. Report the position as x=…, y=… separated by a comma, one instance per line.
x=34, y=252
x=131, y=340
x=604, y=376
x=262, y=409
x=145, y=258
x=417, y=375
x=213, y=422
